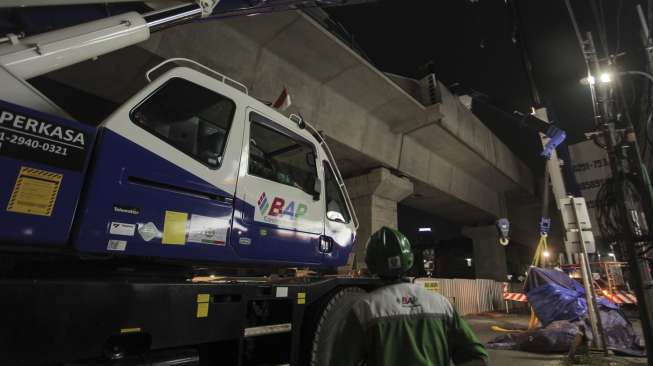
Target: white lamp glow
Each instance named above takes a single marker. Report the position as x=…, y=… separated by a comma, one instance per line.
x=606, y=77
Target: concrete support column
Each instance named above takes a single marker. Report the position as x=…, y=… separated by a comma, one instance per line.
x=489, y=255
x=375, y=196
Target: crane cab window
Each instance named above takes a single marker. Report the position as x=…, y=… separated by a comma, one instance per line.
x=278, y=157
x=189, y=117
x=336, y=209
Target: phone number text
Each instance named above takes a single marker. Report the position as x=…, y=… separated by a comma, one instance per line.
x=32, y=143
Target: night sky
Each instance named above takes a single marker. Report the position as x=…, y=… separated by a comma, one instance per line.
x=476, y=44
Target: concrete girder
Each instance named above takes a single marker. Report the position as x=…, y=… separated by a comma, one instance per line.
x=351, y=162
x=431, y=116
x=461, y=123
x=449, y=147
x=380, y=182
x=298, y=44
x=437, y=173
x=348, y=84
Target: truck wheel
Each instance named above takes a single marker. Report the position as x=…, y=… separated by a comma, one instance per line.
x=332, y=313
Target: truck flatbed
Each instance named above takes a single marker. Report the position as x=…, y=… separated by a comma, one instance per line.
x=247, y=321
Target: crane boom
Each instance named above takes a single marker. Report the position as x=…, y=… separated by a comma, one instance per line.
x=43, y=53
x=21, y=59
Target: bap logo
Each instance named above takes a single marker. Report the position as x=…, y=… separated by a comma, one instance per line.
x=263, y=204
x=408, y=301
x=280, y=209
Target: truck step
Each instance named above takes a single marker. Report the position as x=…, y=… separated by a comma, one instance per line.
x=267, y=330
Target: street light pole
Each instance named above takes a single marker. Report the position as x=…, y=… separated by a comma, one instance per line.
x=628, y=171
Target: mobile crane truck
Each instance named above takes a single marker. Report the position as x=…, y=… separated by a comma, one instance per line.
x=105, y=230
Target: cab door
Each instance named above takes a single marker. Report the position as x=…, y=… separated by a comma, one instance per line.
x=339, y=227
x=164, y=172
x=279, y=207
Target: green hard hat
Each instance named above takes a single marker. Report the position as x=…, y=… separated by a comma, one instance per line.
x=388, y=253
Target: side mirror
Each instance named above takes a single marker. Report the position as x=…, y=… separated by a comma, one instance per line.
x=317, y=189
x=335, y=216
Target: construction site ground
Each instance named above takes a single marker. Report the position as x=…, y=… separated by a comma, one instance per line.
x=481, y=325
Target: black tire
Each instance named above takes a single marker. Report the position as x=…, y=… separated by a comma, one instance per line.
x=332, y=313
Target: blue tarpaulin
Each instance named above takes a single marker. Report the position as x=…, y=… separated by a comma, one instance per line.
x=555, y=296
x=559, y=302
x=553, y=302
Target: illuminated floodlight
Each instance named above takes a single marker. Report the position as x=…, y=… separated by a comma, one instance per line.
x=606, y=77
x=546, y=254
x=590, y=80
x=424, y=230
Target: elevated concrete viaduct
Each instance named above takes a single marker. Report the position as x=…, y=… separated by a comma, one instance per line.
x=395, y=139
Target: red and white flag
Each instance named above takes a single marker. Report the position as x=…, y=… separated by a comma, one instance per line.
x=283, y=102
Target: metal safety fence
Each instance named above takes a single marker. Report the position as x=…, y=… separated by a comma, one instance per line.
x=468, y=296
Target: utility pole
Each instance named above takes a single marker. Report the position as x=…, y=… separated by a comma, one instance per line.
x=628, y=173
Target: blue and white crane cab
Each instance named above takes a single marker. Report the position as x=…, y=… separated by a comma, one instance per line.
x=190, y=168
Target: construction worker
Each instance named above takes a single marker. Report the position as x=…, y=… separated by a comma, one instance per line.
x=402, y=323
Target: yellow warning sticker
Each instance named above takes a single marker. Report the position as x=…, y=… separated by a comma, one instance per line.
x=203, y=310
x=174, y=228
x=432, y=285
x=35, y=192
x=203, y=305
x=301, y=298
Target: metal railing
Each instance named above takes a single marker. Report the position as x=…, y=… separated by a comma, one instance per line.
x=204, y=69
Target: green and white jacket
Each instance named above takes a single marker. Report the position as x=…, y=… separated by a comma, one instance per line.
x=405, y=325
